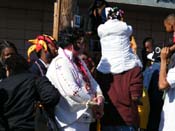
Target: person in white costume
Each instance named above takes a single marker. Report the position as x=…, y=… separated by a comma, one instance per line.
x=117, y=55
x=81, y=97
x=167, y=79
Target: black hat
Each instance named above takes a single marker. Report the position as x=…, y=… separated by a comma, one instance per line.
x=69, y=36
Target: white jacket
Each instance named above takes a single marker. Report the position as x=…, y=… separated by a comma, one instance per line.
x=65, y=76
x=117, y=56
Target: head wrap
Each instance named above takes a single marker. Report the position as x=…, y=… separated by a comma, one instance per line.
x=39, y=43
x=115, y=13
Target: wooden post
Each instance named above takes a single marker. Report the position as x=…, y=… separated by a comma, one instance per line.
x=68, y=8
x=63, y=15
x=56, y=20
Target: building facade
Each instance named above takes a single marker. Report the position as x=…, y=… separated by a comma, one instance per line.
x=21, y=20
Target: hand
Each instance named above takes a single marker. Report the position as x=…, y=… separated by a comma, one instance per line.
x=97, y=112
x=172, y=48
x=98, y=109
x=165, y=52
x=99, y=100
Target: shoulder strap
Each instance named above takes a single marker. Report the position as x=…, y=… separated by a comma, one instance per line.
x=39, y=67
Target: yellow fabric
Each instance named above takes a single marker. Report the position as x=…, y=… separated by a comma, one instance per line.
x=98, y=125
x=144, y=109
x=133, y=44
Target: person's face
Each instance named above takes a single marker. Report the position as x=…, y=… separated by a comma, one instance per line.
x=53, y=50
x=168, y=26
x=148, y=46
x=7, y=52
x=80, y=45
x=47, y=56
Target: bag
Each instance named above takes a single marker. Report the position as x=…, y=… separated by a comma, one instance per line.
x=44, y=121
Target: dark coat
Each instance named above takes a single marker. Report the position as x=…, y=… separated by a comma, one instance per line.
x=18, y=95
x=38, y=68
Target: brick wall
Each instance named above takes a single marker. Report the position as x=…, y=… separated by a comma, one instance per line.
x=147, y=22
x=21, y=20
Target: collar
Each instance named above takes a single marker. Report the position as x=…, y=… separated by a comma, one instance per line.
x=46, y=65
x=69, y=53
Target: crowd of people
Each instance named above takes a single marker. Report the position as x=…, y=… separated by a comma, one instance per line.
x=73, y=92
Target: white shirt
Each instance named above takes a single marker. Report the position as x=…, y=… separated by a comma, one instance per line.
x=65, y=76
x=167, y=122
x=46, y=65
x=117, y=56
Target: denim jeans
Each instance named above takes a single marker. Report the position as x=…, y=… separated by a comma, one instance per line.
x=118, y=128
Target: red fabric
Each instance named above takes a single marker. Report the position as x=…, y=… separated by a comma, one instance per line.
x=84, y=73
x=126, y=85
x=81, y=68
x=111, y=116
x=174, y=39
x=38, y=47
x=48, y=39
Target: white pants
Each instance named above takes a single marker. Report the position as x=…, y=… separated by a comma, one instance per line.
x=76, y=126
x=82, y=124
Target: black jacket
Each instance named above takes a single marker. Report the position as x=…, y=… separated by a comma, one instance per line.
x=18, y=95
x=38, y=68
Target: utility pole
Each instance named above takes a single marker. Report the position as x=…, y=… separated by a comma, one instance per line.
x=56, y=19
x=64, y=11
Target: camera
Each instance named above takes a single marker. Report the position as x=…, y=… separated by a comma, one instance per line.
x=157, y=50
